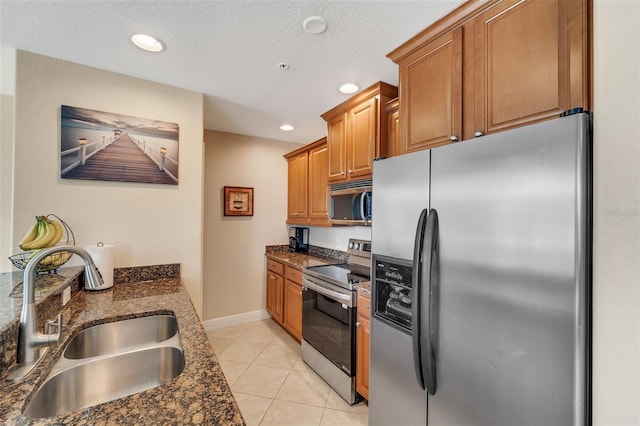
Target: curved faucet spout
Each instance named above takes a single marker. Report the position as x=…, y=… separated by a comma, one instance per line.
x=93, y=277
x=29, y=339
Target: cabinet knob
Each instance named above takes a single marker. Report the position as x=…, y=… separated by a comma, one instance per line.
x=358, y=324
x=453, y=138
x=341, y=172
x=350, y=171
x=478, y=134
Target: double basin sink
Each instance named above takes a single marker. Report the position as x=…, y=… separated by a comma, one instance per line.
x=110, y=361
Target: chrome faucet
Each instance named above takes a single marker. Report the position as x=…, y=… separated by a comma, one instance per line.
x=32, y=344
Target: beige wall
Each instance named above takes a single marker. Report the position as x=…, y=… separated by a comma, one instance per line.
x=234, y=266
x=7, y=91
x=148, y=224
x=616, y=283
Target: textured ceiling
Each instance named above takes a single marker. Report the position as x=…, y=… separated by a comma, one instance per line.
x=230, y=50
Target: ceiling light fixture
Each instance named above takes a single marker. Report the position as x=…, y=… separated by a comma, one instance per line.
x=147, y=42
x=286, y=127
x=349, y=88
x=314, y=24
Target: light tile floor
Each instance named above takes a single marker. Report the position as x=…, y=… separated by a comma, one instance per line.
x=273, y=386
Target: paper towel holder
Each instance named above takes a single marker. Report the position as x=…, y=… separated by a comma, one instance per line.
x=107, y=282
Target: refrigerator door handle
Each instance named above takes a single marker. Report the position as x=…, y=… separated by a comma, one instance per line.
x=416, y=298
x=429, y=274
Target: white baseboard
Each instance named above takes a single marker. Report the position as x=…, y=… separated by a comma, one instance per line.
x=216, y=323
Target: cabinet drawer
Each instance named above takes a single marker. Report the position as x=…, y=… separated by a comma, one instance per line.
x=364, y=305
x=276, y=267
x=293, y=275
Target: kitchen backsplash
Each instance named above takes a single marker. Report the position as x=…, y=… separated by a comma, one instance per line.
x=315, y=251
x=146, y=273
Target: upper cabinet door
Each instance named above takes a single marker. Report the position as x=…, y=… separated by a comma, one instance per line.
x=356, y=133
x=363, y=125
x=431, y=94
x=337, y=143
x=297, y=188
x=530, y=61
x=318, y=188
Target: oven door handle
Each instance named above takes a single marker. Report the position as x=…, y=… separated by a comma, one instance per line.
x=344, y=298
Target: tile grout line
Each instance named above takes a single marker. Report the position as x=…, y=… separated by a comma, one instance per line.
x=280, y=343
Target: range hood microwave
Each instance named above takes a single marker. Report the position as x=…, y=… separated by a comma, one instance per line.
x=351, y=203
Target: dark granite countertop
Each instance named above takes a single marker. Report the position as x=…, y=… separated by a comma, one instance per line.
x=316, y=256
x=46, y=285
x=199, y=395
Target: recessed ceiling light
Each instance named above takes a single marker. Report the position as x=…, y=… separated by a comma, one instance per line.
x=349, y=88
x=286, y=127
x=314, y=24
x=147, y=42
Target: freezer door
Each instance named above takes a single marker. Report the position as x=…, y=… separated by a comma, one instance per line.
x=511, y=343
x=400, y=193
x=395, y=398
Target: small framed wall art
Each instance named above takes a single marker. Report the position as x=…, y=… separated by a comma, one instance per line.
x=238, y=201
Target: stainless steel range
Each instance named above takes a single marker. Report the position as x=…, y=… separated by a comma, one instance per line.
x=329, y=318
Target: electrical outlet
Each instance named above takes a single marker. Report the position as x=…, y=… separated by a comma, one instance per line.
x=66, y=295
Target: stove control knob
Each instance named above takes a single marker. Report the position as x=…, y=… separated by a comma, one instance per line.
x=350, y=244
x=356, y=246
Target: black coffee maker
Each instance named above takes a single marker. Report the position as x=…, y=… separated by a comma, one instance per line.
x=298, y=239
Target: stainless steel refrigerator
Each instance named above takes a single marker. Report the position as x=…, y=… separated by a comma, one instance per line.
x=481, y=281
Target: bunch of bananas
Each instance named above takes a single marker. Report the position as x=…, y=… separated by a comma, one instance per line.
x=52, y=261
x=44, y=233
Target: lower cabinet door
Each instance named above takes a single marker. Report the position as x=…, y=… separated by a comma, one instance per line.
x=362, y=357
x=293, y=308
x=275, y=302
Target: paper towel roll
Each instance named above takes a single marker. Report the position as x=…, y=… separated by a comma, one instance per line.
x=102, y=255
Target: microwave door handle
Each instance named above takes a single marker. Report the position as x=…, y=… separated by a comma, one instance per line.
x=362, y=204
x=416, y=286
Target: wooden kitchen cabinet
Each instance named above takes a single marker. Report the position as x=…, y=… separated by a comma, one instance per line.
x=393, y=128
x=357, y=133
x=530, y=62
x=275, y=290
x=318, y=188
x=363, y=332
x=431, y=94
x=284, y=296
x=494, y=65
x=298, y=183
x=293, y=302
x=308, y=193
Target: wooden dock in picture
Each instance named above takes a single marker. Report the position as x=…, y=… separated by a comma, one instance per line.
x=122, y=160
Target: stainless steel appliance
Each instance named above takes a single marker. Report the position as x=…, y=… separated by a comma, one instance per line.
x=329, y=318
x=298, y=239
x=351, y=203
x=481, y=281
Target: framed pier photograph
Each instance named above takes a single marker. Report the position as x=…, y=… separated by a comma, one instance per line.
x=97, y=145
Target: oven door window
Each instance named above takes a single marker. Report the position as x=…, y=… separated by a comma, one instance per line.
x=328, y=326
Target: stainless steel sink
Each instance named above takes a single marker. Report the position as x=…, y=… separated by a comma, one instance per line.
x=116, y=336
x=94, y=382
x=110, y=361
